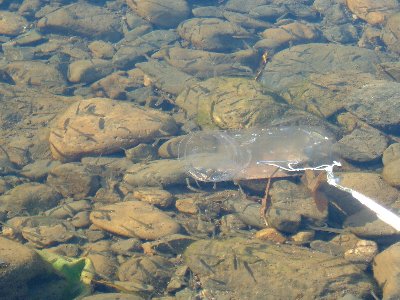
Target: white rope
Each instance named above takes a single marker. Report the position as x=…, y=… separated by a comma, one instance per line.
x=381, y=212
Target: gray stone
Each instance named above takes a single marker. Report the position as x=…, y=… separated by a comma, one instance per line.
x=295, y=64
x=377, y=103
x=212, y=34
x=166, y=77
x=132, y=51
x=243, y=268
x=362, y=145
x=162, y=172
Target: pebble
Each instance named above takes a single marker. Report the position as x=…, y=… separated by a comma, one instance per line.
x=154, y=196
x=134, y=219
x=187, y=206
x=270, y=234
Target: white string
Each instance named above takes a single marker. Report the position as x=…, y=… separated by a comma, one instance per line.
x=381, y=212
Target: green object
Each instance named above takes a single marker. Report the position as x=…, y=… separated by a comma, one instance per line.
x=78, y=272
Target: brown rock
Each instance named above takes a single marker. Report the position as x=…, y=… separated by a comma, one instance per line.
x=89, y=70
x=212, y=34
x=161, y=12
x=101, y=49
x=73, y=180
x=47, y=235
x=117, y=84
x=151, y=270
x=187, y=206
x=374, y=12
x=84, y=19
x=386, y=268
x=100, y=126
x=30, y=197
x=12, y=23
x=18, y=266
x=162, y=172
x=391, y=153
x=230, y=103
x=369, y=184
x=270, y=234
x=134, y=219
x=154, y=196
x=391, y=173
x=292, y=32
x=37, y=74
x=391, y=33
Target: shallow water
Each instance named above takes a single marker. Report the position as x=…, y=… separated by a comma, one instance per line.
x=98, y=96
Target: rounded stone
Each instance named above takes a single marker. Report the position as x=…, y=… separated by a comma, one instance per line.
x=372, y=11
x=134, y=219
x=102, y=126
x=391, y=173
x=165, y=13
x=12, y=23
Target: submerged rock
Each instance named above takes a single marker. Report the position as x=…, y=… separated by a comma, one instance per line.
x=160, y=12
x=134, y=219
x=230, y=103
x=386, y=269
x=293, y=65
x=244, y=268
x=84, y=19
x=101, y=126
